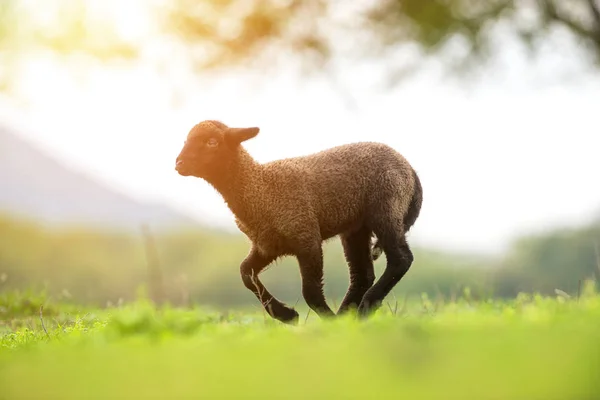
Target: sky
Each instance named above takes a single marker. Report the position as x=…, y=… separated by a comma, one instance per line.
x=514, y=153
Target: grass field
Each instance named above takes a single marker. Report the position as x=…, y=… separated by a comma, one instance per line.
x=529, y=348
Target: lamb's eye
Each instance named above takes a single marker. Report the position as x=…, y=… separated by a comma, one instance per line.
x=212, y=142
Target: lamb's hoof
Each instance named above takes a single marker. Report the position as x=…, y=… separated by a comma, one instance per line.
x=286, y=315
x=366, y=309
x=362, y=311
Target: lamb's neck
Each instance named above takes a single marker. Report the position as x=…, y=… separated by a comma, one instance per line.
x=238, y=187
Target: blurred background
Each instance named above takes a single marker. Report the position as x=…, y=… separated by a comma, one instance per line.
x=495, y=103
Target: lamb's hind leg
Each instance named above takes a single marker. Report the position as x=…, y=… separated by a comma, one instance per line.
x=357, y=250
x=399, y=259
x=252, y=265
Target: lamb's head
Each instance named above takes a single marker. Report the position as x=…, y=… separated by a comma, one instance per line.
x=211, y=148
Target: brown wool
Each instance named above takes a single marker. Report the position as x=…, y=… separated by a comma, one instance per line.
x=357, y=191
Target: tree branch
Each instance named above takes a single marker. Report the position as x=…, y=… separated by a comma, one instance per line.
x=595, y=10
x=577, y=28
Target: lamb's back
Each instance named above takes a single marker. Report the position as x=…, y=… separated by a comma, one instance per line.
x=340, y=181
x=361, y=159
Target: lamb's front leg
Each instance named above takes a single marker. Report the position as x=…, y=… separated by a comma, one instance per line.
x=310, y=259
x=250, y=268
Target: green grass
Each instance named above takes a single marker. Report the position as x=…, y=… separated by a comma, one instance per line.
x=530, y=348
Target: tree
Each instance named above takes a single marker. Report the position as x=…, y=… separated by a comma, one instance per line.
x=315, y=35
x=73, y=31
x=227, y=33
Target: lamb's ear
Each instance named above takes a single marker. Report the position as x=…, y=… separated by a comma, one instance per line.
x=239, y=135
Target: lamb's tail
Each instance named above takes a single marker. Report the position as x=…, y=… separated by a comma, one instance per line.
x=409, y=219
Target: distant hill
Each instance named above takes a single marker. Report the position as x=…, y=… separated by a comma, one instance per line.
x=36, y=186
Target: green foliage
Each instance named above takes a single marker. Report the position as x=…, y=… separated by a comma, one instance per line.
x=92, y=267
x=250, y=31
x=304, y=29
x=261, y=34
x=561, y=259
x=67, y=28
x=27, y=303
x=75, y=31
x=7, y=20
x=529, y=347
